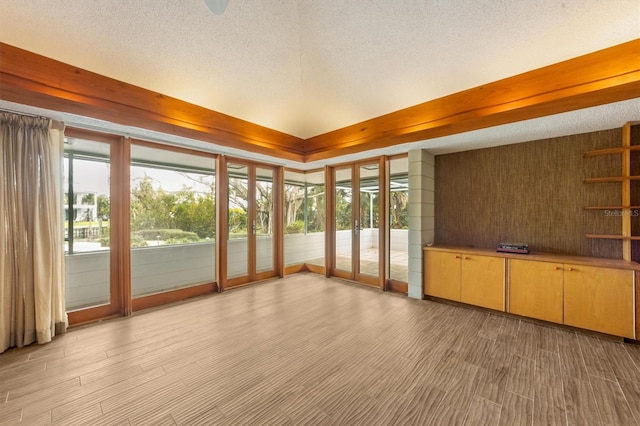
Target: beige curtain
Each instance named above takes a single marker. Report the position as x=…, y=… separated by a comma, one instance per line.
x=32, y=304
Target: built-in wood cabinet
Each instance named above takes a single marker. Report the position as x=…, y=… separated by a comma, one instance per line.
x=599, y=299
x=593, y=294
x=482, y=281
x=473, y=279
x=536, y=289
x=442, y=278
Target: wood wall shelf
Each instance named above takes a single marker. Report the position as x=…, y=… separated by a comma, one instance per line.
x=613, y=237
x=628, y=182
x=611, y=179
x=610, y=151
x=611, y=207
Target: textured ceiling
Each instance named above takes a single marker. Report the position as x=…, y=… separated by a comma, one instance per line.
x=306, y=67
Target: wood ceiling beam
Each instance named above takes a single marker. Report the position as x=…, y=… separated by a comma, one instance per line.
x=601, y=77
x=598, y=78
x=31, y=79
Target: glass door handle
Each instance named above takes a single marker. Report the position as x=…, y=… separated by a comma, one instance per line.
x=356, y=227
x=254, y=227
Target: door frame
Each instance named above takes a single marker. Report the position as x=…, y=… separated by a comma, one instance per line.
x=119, y=278
x=222, y=224
x=355, y=275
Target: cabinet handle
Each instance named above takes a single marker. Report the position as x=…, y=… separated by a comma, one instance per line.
x=457, y=257
x=570, y=269
x=555, y=268
x=467, y=258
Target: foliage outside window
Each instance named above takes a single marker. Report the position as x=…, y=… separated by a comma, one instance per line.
x=369, y=212
x=399, y=204
x=343, y=207
x=172, y=198
x=264, y=205
x=304, y=208
x=238, y=214
x=160, y=216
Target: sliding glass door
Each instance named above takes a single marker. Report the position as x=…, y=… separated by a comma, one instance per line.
x=173, y=223
x=250, y=245
x=92, y=174
x=345, y=223
x=304, y=221
x=356, y=213
x=368, y=235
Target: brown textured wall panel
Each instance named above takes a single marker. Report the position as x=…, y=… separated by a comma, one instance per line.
x=531, y=192
x=635, y=193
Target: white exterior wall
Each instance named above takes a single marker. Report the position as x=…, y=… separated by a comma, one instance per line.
x=343, y=243
x=237, y=256
x=153, y=270
x=87, y=279
x=162, y=268
x=264, y=255
x=421, y=214
x=369, y=238
x=399, y=240
x=300, y=248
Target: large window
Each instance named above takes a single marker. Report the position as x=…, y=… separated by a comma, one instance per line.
x=172, y=219
x=168, y=217
x=304, y=218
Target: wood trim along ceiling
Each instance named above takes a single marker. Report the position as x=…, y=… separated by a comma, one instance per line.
x=598, y=78
x=35, y=80
x=605, y=76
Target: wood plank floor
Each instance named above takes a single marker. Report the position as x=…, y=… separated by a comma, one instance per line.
x=309, y=350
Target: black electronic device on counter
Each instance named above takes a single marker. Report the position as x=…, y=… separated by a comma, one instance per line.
x=519, y=248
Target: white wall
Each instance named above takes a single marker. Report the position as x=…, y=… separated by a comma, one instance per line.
x=162, y=268
x=399, y=240
x=421, y=214
x=87, y=279
x=369, y=238
x=301, y=248
x=237, y=256
x=264, y=255
x=153, y=270
x=343, y=243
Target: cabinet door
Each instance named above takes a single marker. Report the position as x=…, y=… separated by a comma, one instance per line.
x=482, y=282
x=535, y=289
x=599, y=299
x=442, y=275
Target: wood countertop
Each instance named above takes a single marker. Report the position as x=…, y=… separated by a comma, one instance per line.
x=543, y=257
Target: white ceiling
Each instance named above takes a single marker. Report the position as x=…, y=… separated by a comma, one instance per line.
x=306, y=67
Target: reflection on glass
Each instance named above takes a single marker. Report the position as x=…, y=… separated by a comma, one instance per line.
x=238, y=205
x=172, y=220
x=294, y=203
x=399, y=219
x=343, y=212
x=304, y=218
x=315, y=218
x=369, y=220
x=87, y=223
x=264, y=220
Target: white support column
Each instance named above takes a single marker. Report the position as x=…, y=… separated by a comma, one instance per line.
x=421, y=214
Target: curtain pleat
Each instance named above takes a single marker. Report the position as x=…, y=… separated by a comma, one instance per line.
x=31, y=234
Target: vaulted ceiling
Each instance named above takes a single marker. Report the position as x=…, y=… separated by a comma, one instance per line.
x=306, y=67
